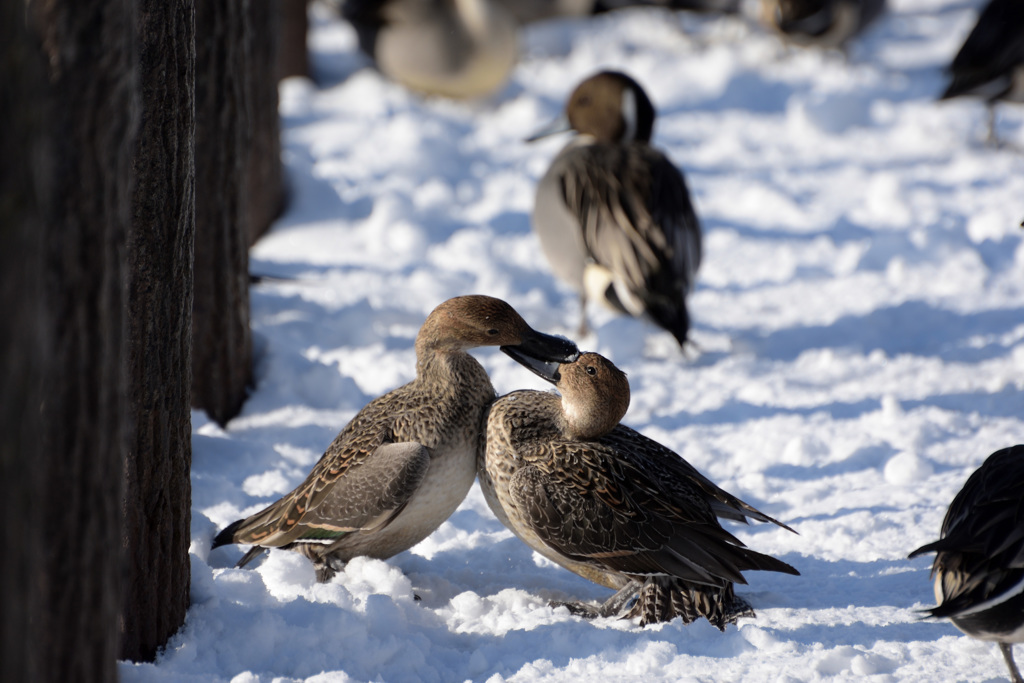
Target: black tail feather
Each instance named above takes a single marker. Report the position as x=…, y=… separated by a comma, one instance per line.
x=227, y=534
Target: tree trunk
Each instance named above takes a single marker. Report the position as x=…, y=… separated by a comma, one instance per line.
x=85, y=195
x=262, y=194
x=157, y=500
x=293, y=55
x=21, y=340
x=221, y=342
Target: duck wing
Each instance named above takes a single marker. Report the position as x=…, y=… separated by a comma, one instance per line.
x=637, y=220
x=679, y=476
x=361, y=483
x=590, y=506
x=980, y=553
x=984, y=65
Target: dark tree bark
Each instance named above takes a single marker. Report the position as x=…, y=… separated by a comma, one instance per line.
x=85, y=195
x=157, y=500
x=221, y=343
x=293, y=55
x=261, y=192
x=21, y=339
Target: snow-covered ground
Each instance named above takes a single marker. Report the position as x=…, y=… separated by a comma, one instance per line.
x=860, y=315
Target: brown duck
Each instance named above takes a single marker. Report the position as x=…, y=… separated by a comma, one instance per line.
x=406, y=460
x=617, y=508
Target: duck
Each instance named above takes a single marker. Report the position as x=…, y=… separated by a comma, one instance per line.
x=405, y=462
x=613, y=214
x=978, y=569
x=990, y=64
x=820, y=23
x=458, y=49
x=610, y=504
x=532, y=11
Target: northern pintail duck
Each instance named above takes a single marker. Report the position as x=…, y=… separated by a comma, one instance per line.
x=612, y=505
x=454, y=48
x=990, y=64
x=613, y=213
x=979, y=557
x=530, y=11
x=407, y=459
x=820, y=23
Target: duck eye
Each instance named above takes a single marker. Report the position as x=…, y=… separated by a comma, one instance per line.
x=493, y=331
x=591, y=370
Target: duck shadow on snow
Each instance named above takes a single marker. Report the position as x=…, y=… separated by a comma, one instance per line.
x=441, y=645
x=911, y=328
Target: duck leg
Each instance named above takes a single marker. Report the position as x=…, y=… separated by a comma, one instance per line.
x=992, y=139
x=584, y=328
x=1007, y=650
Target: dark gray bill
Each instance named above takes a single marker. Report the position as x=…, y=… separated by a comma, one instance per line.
x=546, y=369
x=559, y=125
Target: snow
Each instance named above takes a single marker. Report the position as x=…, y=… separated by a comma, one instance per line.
x=858, y=312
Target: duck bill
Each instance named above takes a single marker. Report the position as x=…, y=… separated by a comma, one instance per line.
x=559, y=125
x=544, y=369
x=542, y=353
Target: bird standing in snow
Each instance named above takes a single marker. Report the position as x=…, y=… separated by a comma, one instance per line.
x=979, y=557
x=406, y=460
x=990, y=64
x=611, y=505
x=613, y=214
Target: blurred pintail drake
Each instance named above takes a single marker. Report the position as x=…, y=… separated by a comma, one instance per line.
x=530, y=11
x=820, y=23
x=407, y=459
x=990, y=65
x=979, y=557
x=613, y=214
x=611, y=505
x=452, y=48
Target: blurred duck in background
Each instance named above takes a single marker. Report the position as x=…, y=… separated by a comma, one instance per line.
x=452, y=48
x=990, y=65
x=613, y=214
x=529, y=11
x=820, y=23
x=979, y=557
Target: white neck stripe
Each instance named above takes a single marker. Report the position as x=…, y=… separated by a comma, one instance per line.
x=629, y=114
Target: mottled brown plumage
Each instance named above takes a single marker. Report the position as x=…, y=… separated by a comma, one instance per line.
x=608, y=503
x=406, y=461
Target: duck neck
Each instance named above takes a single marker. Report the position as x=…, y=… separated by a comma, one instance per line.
x=476, y=16
x=449, y=371
x=581, y=424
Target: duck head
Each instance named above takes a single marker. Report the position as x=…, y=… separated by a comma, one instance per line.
x=610, y=107
x=595, y=393
x=466, y=322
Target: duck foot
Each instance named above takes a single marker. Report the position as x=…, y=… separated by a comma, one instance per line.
x=613, y=606
x=577, y=608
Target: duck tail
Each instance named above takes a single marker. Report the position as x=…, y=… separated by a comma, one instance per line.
x=662, y=599
x=227, y=534
x=672, y=317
